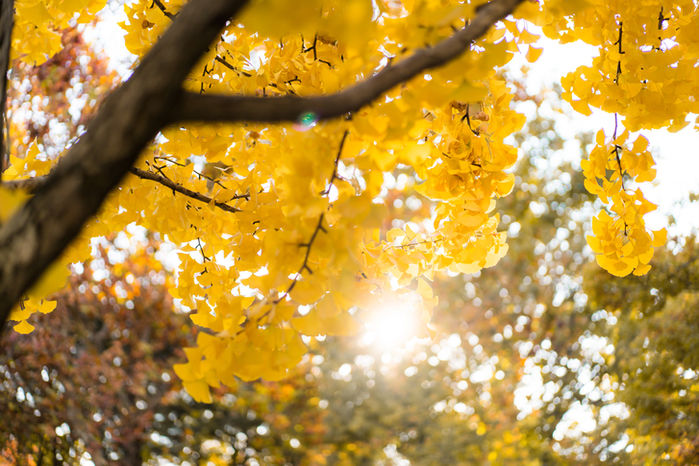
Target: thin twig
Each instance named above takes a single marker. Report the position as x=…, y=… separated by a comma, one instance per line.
x=199, y=174
x=225, y=63
x=187, y=192
x=160, y=5
x=616, y=151
x=307, y=245
x=661, y=18
x=217, y=58
x=319, y=226
x=304, y=266
x=617, y=148
x=467, y=117
x=410, y=245
x=334, y=176
x=621, y=52
x=33, y=184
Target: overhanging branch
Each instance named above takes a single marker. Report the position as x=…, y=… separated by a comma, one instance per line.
x=151, y=99
x=128, y=119
x=213, y=107
x=188, y=192
x=26, y=184
x=31, y=185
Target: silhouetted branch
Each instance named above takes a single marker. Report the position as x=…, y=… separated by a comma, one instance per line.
x=213, y=107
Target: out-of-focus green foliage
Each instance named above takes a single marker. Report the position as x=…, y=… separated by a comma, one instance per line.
x=653, y=323
x=541, y=360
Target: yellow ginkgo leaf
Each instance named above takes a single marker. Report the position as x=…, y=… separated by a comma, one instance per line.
x=533, y=54
x=23, y=327
x=10, y=200
x=199, y=390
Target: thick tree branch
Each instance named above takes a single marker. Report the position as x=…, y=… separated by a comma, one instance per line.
x=153, y=98
x=212, y=107
x=128, y=119
x=6, y=23
x=27, y=184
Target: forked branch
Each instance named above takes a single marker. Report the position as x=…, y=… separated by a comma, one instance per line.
x=213, y=107
x=151, y=99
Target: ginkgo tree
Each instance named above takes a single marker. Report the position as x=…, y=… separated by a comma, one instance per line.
x=260, y=138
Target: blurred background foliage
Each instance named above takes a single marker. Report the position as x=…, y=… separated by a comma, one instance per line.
x=543, y=359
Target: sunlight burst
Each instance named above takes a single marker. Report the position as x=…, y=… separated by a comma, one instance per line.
x=394, y=322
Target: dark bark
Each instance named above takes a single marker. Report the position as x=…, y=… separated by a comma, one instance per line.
x=6, y=23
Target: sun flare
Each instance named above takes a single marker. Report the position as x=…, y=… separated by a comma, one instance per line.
x=394, y=322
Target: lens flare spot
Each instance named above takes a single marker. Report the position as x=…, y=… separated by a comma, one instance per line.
x=306, y=121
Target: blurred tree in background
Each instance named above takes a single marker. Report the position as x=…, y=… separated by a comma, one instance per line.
x=94, y=375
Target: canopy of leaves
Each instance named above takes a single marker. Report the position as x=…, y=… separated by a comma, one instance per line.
x=288, y=227
x=308, y=228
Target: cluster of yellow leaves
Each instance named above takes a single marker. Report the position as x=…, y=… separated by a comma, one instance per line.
x=32, y=164
x=36, y=36
x=311, y=241
x=38, y=297
x=621, y=242
x=646, y=69
x=646, y=72
x=462, y=162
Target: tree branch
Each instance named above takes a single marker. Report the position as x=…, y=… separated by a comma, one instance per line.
x=307, y=245
x=6, y=23
x=26, y=184
x=187, y=192
x=31, y=185
x=151, y=99
x=212, y=107
x=319, y=226
x=128, y=119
